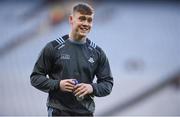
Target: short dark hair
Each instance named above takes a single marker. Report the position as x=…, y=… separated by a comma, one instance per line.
x=83, y=8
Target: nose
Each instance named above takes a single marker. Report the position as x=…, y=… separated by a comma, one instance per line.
x=86, y=23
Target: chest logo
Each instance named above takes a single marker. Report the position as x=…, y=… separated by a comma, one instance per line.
x=65, y=56
x=91, y=60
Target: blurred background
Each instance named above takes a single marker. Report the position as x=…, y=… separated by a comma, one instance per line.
x=140, y=37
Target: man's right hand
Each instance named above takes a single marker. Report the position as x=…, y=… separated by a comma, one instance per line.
x=67, y=85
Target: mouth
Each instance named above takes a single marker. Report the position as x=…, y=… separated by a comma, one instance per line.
x=84, y=29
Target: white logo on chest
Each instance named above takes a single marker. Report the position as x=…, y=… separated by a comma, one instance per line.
x=91, y=60
x=65, y=56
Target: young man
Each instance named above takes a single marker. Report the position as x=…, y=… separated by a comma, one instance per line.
x=71, y=63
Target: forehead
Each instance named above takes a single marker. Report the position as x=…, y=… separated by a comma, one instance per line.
x=78, y=14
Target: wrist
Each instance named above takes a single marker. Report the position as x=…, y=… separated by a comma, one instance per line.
x=56, y=86
x=90, y=89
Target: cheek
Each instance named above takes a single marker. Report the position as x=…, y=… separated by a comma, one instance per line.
x=76, y=24
x=90, y=26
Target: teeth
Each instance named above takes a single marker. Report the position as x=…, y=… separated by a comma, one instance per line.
x=84, y=29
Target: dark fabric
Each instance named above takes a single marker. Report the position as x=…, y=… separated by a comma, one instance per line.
x=52, y=112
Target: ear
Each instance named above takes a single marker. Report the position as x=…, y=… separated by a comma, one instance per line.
x=70, y=19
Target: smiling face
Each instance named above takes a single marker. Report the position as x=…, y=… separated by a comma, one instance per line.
x=80, y=25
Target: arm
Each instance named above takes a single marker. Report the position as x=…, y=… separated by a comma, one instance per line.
x=104, y=83
x=42, y=68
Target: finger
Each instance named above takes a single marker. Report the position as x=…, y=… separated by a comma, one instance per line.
x=80, y=92
x=69, y=88
x=71, y=81
x=78, y=85
x=78, y=88
x=69, y=85
x=83, y=94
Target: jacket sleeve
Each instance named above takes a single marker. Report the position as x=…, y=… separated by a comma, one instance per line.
x=104, y=83
x=42, y=68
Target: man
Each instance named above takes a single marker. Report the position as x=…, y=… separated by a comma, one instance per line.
x=67, y=66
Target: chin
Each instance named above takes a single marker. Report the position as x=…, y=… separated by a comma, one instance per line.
x=82, y=35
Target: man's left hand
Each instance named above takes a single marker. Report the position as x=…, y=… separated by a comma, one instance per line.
x=82, y=89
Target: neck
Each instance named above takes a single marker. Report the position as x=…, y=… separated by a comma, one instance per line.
x=77, y=38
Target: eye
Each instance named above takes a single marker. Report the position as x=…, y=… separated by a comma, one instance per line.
x=82, y=18
x=89, y=20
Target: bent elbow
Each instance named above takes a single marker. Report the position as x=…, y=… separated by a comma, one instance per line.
x=33, y=81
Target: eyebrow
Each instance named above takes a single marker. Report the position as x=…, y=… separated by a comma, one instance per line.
x=84, y=18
